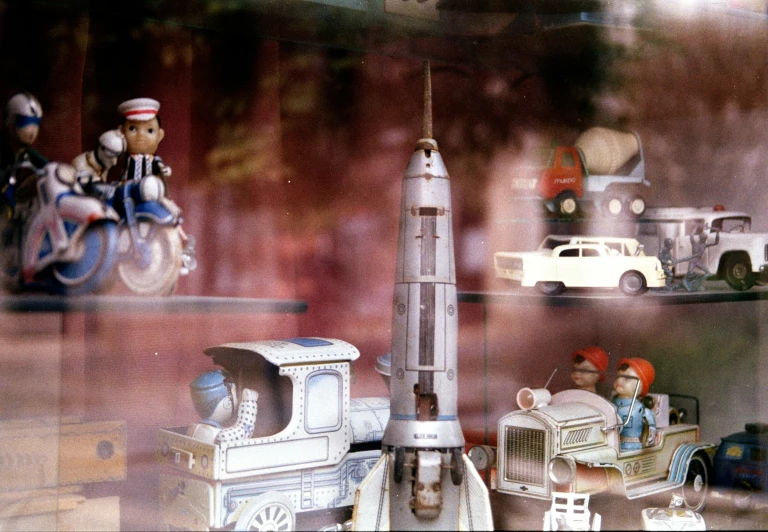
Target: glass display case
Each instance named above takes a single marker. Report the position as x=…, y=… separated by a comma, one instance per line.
x=288, y=126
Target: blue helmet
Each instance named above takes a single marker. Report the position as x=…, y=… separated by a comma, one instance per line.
x=209, y=389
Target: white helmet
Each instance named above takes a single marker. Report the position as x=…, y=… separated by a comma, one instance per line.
x=25, y=105
x=111, y=144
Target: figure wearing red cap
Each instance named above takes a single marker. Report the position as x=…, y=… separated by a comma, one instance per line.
x=635, y=378
x=143, y=134
x=589, y=365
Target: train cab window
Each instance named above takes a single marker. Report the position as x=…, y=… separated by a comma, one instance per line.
x=323, y=401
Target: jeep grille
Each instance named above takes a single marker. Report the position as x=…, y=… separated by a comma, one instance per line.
x=509, y=263
x=525, y=454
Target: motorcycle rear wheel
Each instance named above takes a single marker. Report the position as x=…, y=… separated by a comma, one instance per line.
x=159, y=276
x=92, y=272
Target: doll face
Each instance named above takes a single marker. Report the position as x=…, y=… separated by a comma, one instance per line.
x=585, y=375
x=142, y=137
x=226, y=408
x=27, y=134
x=625, y=383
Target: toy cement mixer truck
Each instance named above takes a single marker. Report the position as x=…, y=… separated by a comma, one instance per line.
x=604, y=170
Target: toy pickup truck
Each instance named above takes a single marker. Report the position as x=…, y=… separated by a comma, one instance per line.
x=569, y=443
x=261, y=483
x=582, y=262
x=740, y=257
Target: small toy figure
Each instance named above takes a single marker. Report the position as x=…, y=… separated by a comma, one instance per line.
x=93, y=166
x=143, y=134
x=18, y=160
x=215, y=398
x=693, y=281
x=667, y=261
x=589, y=365
x=629, y=405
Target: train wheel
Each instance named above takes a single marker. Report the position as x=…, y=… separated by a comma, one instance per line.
x=268, y=512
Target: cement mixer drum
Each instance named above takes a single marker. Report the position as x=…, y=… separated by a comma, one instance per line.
x=607, y=150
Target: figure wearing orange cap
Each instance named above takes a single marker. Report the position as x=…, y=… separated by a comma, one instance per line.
x=143, y=134
x=635, y=377
x=589, y=365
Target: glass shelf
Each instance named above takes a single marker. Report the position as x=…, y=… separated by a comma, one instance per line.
x=160, y=305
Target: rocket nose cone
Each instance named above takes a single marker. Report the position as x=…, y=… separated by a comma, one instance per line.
x=426, y=162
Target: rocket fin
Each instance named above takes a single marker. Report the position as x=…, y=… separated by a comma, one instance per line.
x=475, y=504
x=371, y=510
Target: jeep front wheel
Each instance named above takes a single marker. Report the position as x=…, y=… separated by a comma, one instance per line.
x=738, y=272
x=696, y=484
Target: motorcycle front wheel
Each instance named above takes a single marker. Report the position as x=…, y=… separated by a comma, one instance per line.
x=92, y=272
x=157, y=274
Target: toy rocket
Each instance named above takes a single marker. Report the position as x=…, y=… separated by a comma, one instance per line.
x=424, y=480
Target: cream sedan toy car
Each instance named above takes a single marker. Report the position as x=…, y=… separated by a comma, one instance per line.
x=582, y=262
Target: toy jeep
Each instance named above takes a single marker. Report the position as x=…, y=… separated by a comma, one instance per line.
x=569, y=442
x=314, y=463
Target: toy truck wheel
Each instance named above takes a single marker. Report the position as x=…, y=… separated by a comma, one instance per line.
x=614, y=206
x=738, y=272
x=696, y=485
x=636, y=206
x=270, y=511
x=633, y=283
x=566, y=204
x=550, y=288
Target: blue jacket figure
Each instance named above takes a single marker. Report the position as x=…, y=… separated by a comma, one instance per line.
x=634, y=372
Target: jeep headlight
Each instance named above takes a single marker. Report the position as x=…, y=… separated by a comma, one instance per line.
x=562, y=470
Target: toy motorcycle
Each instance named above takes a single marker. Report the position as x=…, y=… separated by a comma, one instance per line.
x=153, y=250
x=61, y=241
